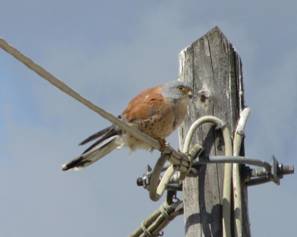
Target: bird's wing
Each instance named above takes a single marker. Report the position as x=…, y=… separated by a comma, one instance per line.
x=148, y=104
x=97, y=135
x=101, y=136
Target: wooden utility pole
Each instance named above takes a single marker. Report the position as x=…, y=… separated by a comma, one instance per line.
x=213, y=67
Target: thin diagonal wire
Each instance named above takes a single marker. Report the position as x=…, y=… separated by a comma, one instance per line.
x=69, y=91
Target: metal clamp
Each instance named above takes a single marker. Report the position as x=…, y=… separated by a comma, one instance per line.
x=275, y=172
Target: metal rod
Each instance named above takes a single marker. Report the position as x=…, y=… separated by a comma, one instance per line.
x=233, y=159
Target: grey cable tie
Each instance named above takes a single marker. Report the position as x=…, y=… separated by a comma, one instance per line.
x=146, y=232
x=164, y=212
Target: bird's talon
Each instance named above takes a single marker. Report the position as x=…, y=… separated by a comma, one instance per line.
x=162, y=143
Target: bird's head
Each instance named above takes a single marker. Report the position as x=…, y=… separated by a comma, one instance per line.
x=177, y=90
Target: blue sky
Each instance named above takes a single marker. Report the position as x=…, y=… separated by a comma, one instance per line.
x=108, y=51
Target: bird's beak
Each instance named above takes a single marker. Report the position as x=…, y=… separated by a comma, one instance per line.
x=190, y=94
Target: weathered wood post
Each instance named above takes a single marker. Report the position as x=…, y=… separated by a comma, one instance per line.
x=213, y=67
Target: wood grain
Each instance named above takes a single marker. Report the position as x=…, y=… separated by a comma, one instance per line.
x=213, y=67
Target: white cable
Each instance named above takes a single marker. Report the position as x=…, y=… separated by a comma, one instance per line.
x=237, y=197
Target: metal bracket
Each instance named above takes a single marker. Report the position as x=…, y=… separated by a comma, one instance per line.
x=265, y=172
x=274, y=174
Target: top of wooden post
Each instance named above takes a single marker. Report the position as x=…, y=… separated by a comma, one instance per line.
x=213, y=67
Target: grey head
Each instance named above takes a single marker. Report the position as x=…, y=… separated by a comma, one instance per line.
x=177, y=90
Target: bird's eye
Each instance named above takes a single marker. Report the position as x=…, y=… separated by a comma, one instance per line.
x=181, y=88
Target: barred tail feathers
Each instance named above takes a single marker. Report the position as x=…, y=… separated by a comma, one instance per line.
x=92, y=156
x=108, y=139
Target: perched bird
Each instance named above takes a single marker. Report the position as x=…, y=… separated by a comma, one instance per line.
x=156, y=111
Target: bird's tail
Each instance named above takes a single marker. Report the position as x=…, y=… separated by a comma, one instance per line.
x=107, y=141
